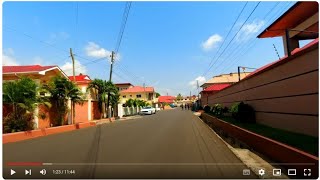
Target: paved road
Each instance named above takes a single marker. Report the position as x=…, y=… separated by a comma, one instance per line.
x=169, y=144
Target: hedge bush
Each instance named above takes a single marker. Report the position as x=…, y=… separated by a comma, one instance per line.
x=217, y=110
x=243, y=112
x=19, y=123
x=206, y=109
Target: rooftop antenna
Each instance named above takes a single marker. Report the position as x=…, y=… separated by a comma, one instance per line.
x=276, y=51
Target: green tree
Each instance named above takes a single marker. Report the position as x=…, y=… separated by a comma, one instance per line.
x=102, y=89
x=98, y=86
x=61, y=89
x=129, y=102
x=22, y=96
x=179, y=97
x=113, y=92
x=157, y=94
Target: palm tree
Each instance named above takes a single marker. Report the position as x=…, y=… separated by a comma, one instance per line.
x=61, y=89
x=112, y=91
x=22, y=95
x=98, y=85
x=129, y=103
x=76, y=97
x=179, y=97
x=103, y=89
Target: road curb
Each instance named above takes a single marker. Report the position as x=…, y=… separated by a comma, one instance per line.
x=25, y=135
x=231, y=148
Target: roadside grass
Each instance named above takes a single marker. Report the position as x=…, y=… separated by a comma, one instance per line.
x=300, y=141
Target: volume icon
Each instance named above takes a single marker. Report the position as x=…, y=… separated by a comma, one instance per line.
x=43, y=172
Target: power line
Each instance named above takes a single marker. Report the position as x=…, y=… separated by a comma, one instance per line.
x=237, y=31
x=225, y=39
x=123, y=25
x=254, y=41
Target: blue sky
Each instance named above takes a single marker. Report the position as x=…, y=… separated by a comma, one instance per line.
x=167, y=45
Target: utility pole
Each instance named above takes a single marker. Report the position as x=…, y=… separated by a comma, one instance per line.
x=73, y=69
x=243, y=68
x=110, y=78
x=74, y=79
x=112, y=60
x=198, y=92
x=238, y=73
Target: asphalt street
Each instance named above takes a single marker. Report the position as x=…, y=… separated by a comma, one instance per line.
x=169, y=144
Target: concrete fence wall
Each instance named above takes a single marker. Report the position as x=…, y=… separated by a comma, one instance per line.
x=45, y=116
x=130, y=111
x=284, y=96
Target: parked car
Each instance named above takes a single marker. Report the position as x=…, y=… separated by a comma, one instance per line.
x=148, y=110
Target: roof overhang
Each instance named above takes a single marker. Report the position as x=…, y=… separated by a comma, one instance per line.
x=43, y=72
x=301, y=19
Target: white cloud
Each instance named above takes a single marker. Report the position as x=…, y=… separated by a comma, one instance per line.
x=211, y=42
x=8, y=58
x=79, y=68
x=200, y=79
x=248, y=30
x=94, y=50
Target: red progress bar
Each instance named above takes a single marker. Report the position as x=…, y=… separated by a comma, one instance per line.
x=24, y=164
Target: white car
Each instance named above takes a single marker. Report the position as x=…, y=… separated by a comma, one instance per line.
x=148, y=110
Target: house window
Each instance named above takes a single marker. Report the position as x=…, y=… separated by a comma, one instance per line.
x=124, y=97
x=130, y=95
x=138, y=95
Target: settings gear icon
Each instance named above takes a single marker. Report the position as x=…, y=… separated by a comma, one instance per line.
x=261, y=172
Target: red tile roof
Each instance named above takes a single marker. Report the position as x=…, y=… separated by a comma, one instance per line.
x=25, y=69
x=216, y=87
x=135, y=89
x=80, y=78
x=166, y=99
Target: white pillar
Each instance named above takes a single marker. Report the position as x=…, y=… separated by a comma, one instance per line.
x=89, y=110
x=120, y=110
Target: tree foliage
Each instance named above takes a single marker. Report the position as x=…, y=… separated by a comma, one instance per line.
x=22, y=96
x=179, y=97
x=102, y=89
x=61, y=89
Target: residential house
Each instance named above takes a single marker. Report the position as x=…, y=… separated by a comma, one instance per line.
x=90, y=104
x=209, y=91
x=165, y=100
x=123, y=86
x=41, y=75
x=224, y=79
x=186, y=100
x=138, y=92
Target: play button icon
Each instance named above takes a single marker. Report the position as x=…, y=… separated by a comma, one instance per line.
x=12, y=172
